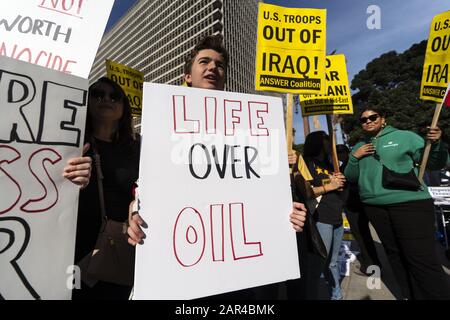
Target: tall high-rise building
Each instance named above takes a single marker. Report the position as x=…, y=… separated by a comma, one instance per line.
x=155, y=36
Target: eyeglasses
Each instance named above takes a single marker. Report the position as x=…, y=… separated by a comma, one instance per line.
x=372, y=118
x=100, y=95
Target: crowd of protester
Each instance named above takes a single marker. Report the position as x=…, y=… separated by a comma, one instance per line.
x=404, y=219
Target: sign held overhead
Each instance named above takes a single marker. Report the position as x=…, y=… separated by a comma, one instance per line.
x=436, y=75
x=291, y=47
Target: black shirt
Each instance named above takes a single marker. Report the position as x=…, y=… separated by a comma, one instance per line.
x=331, y=205
x=350, y=195
x=120, y=167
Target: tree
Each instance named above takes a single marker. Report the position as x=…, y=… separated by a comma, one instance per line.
x=298, y=147
x=392, y=82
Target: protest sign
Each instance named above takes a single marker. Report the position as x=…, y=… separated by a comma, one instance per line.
x=41, y=127
x=439, y=192
x=435, y=76
x=130, y=80
x=58, y=34
x=435, y=80
x=290, y=55
x=214, y=188
x=337, y=99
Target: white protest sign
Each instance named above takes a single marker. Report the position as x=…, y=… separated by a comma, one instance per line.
x=439, y=192
x=41, y=127
x=441, y=195
x=58, y=34
x=215, y=190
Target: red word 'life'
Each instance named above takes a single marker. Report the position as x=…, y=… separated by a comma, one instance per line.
x=232, y=115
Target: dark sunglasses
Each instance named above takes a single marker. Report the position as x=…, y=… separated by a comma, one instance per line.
x=100, y=95
x=372, y=118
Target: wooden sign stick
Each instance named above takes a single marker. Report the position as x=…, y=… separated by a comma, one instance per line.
x=426, y=152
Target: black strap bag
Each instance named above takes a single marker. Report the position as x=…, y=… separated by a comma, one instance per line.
x=398, y=181
x=402, y=181
x=112, y=259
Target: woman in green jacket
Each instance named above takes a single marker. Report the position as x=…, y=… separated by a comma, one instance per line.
x=404, y=219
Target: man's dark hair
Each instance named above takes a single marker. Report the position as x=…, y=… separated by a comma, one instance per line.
x=215, y=43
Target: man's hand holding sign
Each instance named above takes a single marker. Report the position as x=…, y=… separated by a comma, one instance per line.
x=225, y=156
x=435, y=78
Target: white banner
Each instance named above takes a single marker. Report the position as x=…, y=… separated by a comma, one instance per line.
x=215, y=192
x=58, y=34
x=441, y=195
x=41, y=127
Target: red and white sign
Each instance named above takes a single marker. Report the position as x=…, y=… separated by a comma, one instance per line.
x=41, y=127
x=62, y=35
x=214, y=189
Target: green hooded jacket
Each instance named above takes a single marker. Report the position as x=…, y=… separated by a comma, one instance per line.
x=400, y=151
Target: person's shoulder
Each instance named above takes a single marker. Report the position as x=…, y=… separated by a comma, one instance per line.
x=408, y=134
x=310, y=164
x=309, y=161
x=390, y=131
x=129, y=147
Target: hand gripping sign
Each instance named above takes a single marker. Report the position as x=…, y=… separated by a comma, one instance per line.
x=435, y=78
x=436, y=73
x=216, y=196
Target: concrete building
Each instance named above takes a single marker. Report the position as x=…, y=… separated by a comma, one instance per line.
x=155, y=36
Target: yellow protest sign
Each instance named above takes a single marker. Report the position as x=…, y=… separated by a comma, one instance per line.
x=435, y=76
x=290, y=55
x=337, y=99
x=131, y=82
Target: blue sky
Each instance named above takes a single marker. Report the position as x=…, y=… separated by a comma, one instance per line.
x=119, y=8
x=403, y=23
